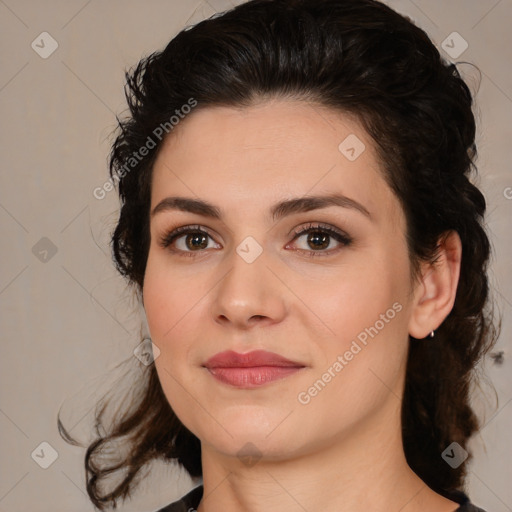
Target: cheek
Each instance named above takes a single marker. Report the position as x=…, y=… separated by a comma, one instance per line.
x=354, y=297
x=166, y=295
x=361, y=363
x=174, y=302
x=366, y=310
x=168, y=307
x=166, y=316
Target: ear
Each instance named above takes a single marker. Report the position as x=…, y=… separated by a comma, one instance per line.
x=434, y=294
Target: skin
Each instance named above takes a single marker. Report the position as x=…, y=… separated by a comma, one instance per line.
x=342, y=450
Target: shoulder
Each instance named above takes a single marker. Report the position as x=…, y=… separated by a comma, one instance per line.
x=188, y=503
x=464, y=501
x=469, y=507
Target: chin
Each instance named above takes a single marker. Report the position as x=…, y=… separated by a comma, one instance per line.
x=253, y=447
x=243, y=428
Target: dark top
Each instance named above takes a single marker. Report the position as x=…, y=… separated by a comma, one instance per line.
x=190, y=502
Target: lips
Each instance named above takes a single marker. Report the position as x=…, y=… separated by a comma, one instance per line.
x=251, y=369
x=230, y=359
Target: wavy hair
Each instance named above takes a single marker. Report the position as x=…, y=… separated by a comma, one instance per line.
x=357, y=57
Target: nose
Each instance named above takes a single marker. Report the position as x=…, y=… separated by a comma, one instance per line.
x=250, y=294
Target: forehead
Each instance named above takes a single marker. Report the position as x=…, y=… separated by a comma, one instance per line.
x=248, y=158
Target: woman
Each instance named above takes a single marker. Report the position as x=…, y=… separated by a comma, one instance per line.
x=299, y=225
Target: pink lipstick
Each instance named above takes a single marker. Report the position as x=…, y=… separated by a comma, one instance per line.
x=251, y=369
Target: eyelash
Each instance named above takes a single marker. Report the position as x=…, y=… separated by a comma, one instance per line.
x=168, y=238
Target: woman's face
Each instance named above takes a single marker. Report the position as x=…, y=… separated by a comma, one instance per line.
x=336, y=306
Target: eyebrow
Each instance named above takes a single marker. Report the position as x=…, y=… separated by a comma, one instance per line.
x=279, y=210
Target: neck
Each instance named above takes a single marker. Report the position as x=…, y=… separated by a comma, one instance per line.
x=364, y=470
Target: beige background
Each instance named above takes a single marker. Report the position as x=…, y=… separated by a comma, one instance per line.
x=68, y=321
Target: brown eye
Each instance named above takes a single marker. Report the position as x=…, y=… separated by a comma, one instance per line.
x=196, y=241
x=319, y=238
x=186, y=239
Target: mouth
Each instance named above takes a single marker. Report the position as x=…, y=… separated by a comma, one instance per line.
x=252, y=369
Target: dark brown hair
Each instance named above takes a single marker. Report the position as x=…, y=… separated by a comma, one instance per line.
x=354, y=56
